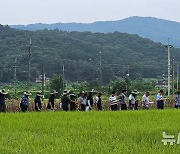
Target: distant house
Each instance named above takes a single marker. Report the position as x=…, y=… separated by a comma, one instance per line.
x=39, y=80
x=163, y=83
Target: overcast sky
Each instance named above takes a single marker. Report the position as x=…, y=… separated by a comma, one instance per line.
x=85, y=11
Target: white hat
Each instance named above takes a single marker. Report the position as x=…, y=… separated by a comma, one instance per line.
x=39, y=93
x=66, y=92
x=53, y=92
x=92, y=91
x=27, y=93
x=135, y=92
x=82, y=92
x=4, y=92
x=73, y=94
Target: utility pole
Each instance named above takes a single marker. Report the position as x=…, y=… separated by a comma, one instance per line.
x=177, y=77
x=100, y=67
x=128, y=71
x=127, y=78
x=169, y=67
x=63, y=77
x=173, y=76
x=15, y=76
x=43, y=79
x=29, y=65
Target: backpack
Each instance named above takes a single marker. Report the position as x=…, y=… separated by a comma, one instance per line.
x=178, y=99
x=24, y=101
x=121, y=97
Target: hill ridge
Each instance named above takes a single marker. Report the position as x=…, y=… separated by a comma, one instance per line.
x=158, y=30
x=79, y=52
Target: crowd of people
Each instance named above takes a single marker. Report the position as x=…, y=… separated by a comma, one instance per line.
x=89, y=101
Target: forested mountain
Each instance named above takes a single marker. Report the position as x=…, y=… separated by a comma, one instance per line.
x=155, y=29
x=80, y=53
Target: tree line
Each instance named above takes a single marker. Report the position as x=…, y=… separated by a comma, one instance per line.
x=79, y=52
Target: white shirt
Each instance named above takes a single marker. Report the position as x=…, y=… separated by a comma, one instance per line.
x=145, y=100
x=113, y=100
x=89, y=104
x=82, y=100
x=132, y=99
x=97, y=99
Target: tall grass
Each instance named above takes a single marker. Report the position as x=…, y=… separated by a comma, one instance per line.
x=13, y=104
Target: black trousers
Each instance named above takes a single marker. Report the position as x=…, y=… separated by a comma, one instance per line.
x=36, y=109
x=177, y=106
x=83, y=107
x=123, y=107
x=23, y=107
x=72, y=107
x=114, y=107
x=99, y=107
x=136, y=106
x=2, y=108
x=65, y=107
x=40, y=107
x=160, y=105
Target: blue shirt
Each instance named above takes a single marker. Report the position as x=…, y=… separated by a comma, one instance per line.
x=25, y=100
x=178, y=99
x=159, y=97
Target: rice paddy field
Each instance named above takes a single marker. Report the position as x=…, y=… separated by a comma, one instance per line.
x=89, y=132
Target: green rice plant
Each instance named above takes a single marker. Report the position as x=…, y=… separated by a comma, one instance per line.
x=88, y=132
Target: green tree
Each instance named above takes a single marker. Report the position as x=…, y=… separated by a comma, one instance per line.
x=95, y=84
x=57, y=84
x=118, y=85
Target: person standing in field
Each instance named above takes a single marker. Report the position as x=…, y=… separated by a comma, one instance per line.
x=177, y=100
x=51, y=105
x=99, y=101
x=25, y=101
x=160, y=100
x=3, y=94
x=145, y=100
x=82, y=101
x=37, y=101
x=122, y=100
x=73, y=102
x=113, y=101
x=65, y=100
x=90, y=100
x=133, y=102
